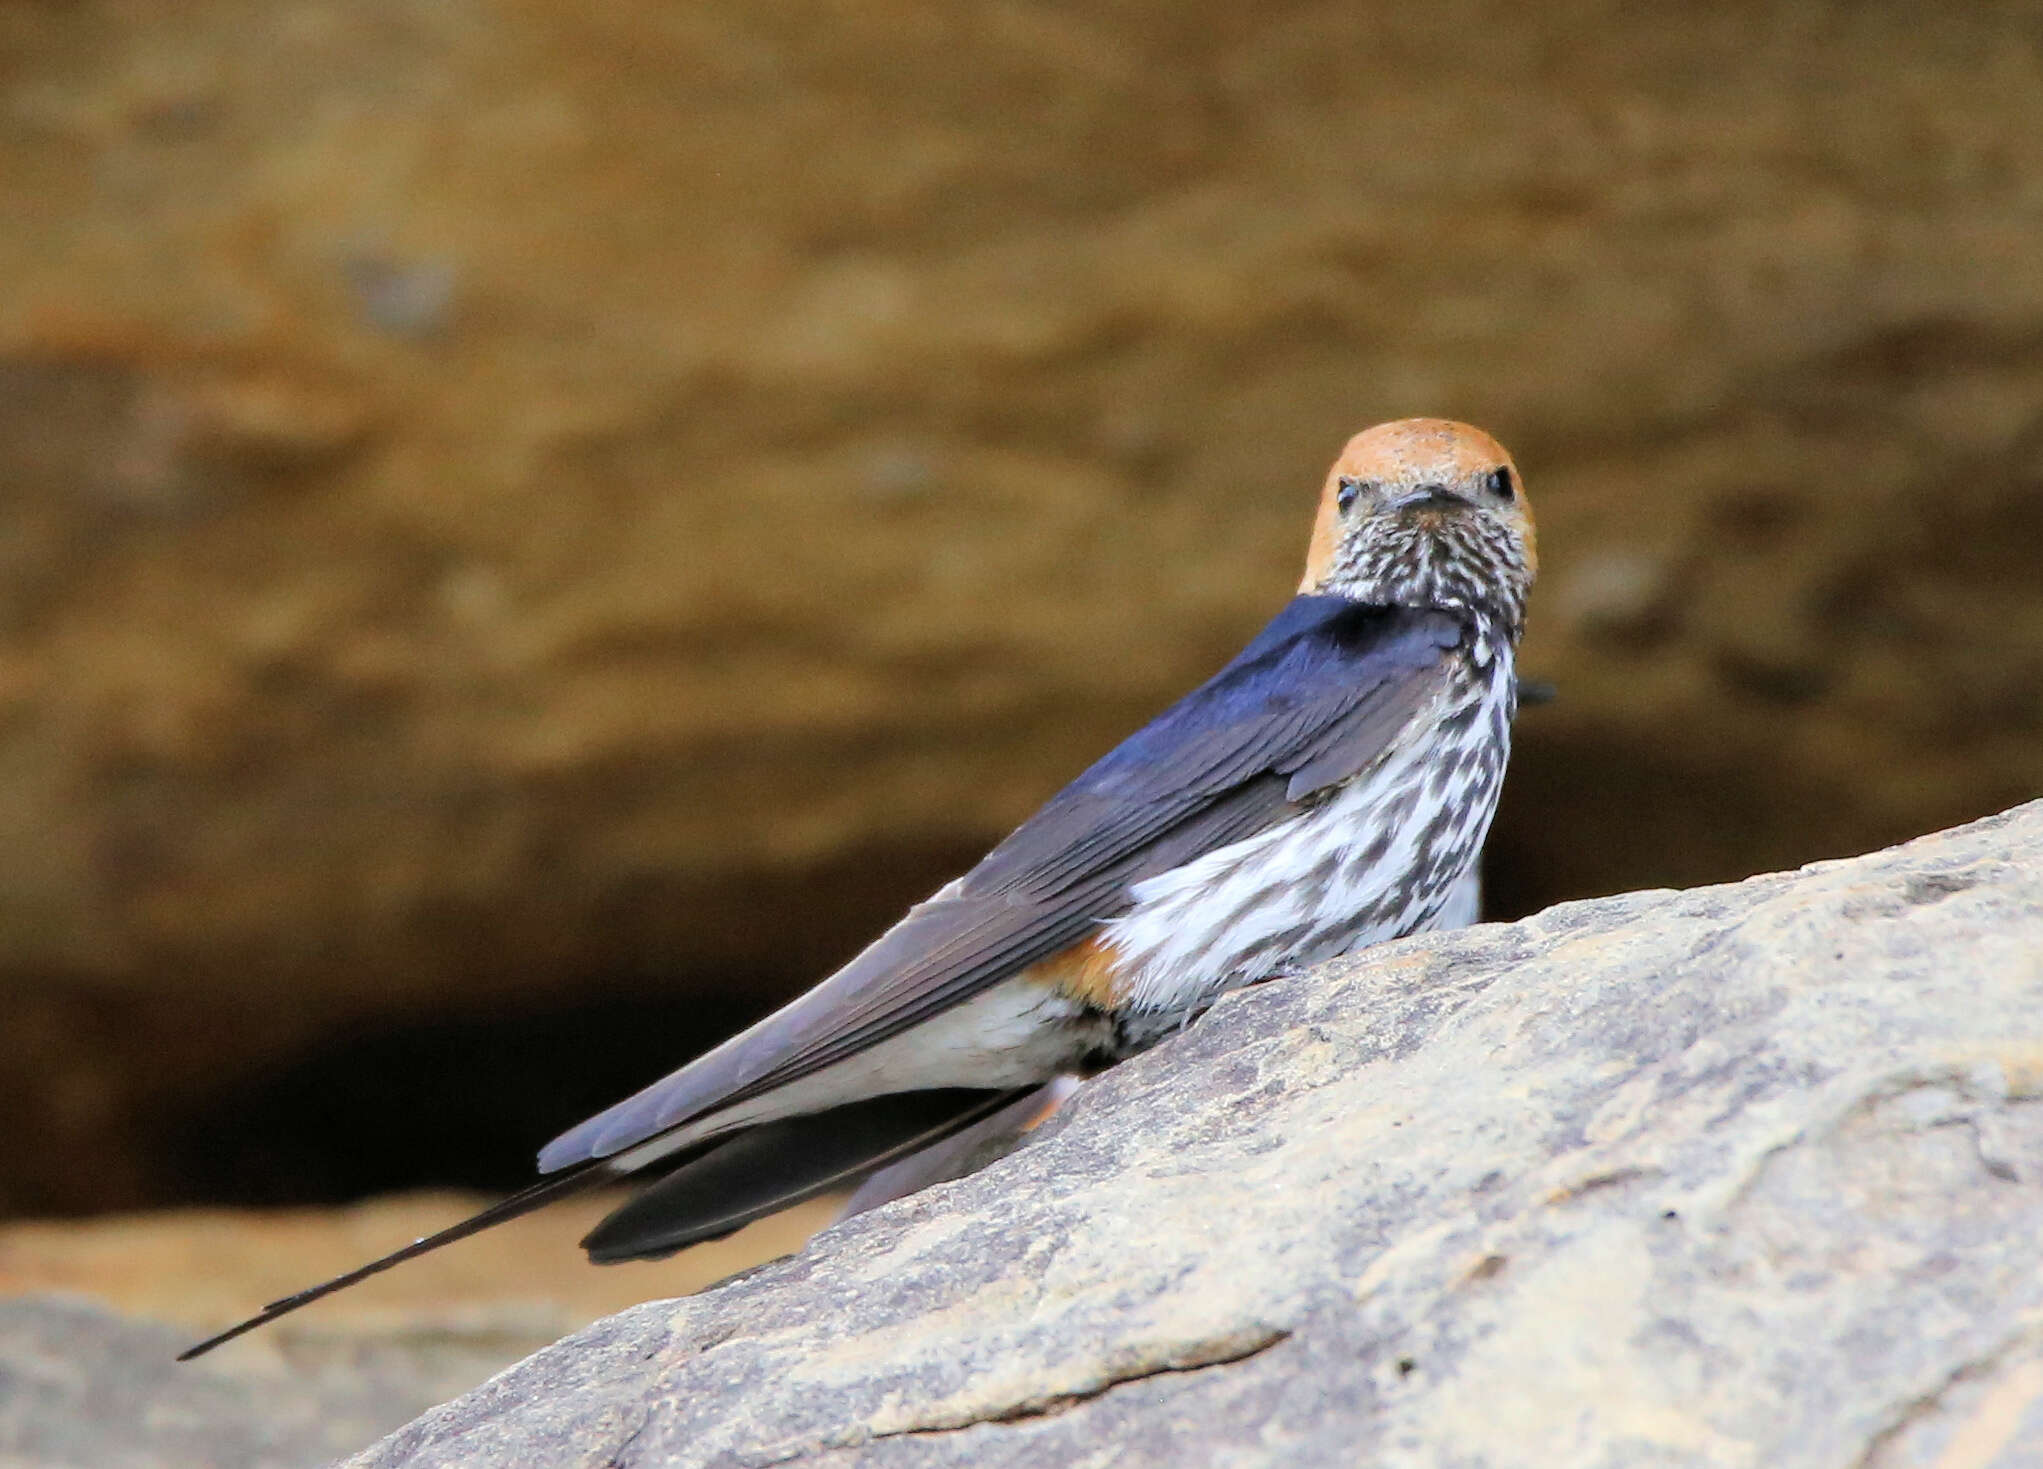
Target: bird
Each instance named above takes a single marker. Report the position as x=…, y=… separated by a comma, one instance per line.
x=1329, y=788
x=963, y=1152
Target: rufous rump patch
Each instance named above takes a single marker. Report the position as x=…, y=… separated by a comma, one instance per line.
x=1088, y=972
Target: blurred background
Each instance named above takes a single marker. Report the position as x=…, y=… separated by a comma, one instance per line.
x=528, y=530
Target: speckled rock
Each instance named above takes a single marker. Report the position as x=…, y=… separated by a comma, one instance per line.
x=93, y=1315
x=1738, y=1176
x=82, y=1388
x=508, y=501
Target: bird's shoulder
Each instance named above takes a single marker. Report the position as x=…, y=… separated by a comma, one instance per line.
x=1328, y=676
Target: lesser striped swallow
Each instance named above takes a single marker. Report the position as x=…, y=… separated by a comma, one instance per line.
x=1329, y=788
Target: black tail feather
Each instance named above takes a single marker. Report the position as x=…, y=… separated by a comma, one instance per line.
x=555, y=1186
x=716, y=1189
x=766, y=1168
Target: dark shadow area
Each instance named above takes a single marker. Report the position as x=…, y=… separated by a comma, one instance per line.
x=390, y=1100
x=460, y=1101
x=122, y=1099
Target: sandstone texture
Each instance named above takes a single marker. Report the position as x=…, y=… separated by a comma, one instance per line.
x=504, y=502
x=1739, y=1176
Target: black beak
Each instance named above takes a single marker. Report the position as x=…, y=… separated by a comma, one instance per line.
x=1427, y=497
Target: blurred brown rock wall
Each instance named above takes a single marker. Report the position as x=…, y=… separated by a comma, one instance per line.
x=502, y=499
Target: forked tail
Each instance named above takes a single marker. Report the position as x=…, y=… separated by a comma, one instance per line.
x=545, y=1191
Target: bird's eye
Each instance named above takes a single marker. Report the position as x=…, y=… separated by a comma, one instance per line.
x=1499, y=482
x=1344, y=497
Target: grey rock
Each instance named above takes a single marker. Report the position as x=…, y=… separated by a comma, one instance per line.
x=1743, y=1175
x=83, y=1388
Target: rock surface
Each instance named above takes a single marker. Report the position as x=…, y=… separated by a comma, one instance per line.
x=1738, y=1176
x=81, y=1388
x=510, y=500
x=88, y=1380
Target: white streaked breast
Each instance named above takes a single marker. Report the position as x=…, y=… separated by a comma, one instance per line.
x=1380, y=858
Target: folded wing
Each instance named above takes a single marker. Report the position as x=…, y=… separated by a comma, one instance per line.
x=1325, y=690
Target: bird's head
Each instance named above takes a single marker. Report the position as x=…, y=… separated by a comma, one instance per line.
x=1425, y=512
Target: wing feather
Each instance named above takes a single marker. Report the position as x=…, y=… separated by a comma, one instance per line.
x=1324, y=690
